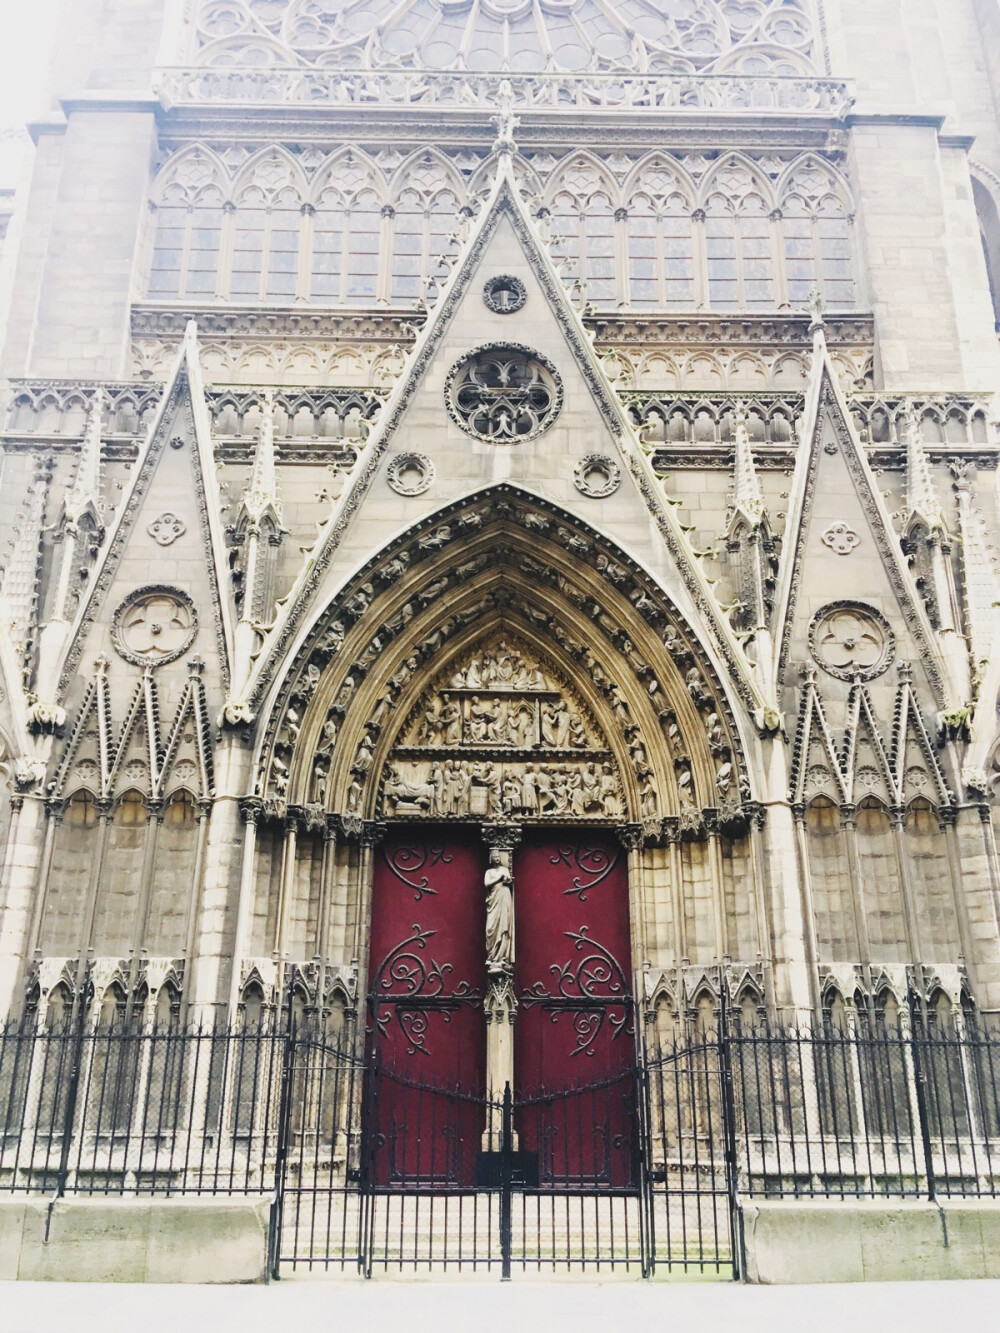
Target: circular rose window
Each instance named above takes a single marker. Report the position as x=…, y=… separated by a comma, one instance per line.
x=851, y=641
x=504, y=393
x=154, y=625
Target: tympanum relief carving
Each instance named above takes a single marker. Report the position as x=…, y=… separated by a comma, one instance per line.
x=499, y=736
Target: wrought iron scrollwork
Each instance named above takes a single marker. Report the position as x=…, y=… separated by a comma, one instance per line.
x=407, y=862
x=411, y=987
x=593, y=989
x=593, y=861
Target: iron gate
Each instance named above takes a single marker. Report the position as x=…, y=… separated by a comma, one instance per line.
x=379, y=1173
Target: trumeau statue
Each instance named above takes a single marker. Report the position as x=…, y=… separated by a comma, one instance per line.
x=499, y=914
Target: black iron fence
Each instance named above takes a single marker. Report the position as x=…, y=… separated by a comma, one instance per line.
x=370, y=1171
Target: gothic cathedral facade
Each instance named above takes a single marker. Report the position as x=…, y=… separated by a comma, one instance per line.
x=500, y=501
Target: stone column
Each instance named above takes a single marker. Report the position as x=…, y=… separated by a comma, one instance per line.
x=501, y=1002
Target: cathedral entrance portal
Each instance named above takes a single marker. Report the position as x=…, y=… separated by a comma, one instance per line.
x=483, y=978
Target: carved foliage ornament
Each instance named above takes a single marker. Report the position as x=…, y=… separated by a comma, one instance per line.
x=410, y=474
x=153, y=625
x=503, y=393
x=597, y=475
x=851, y=641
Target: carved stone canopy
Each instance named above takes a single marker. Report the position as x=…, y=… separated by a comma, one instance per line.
x=499, y=736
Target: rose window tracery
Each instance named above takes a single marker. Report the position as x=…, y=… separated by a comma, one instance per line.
x=851, y=641
x=503, y=393
x=522, y=36
x=154, y=625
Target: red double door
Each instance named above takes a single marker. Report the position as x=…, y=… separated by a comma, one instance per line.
x=573, y=1036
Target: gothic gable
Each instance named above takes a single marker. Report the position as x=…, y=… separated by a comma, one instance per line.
x=169, y=525
x=502, y=385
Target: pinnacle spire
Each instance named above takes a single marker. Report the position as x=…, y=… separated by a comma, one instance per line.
x=979, y=575
x=921, y=499
x=19, y=589
x=748, y=498
x=85, y=492
x=261, y=494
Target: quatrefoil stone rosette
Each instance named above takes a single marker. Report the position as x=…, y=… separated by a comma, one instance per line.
x=597, y=476
x=851, y=641
x=503, y=393
x=410, y=474
x=154, y=625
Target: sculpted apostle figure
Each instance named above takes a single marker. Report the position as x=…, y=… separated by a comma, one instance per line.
x=499, y=914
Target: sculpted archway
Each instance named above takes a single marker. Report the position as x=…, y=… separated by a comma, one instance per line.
x=627, y=732
x=529, y=790
x=590, y=624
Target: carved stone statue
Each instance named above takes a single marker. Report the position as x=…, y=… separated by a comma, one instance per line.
x=499, y=914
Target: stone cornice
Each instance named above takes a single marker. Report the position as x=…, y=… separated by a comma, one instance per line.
x=397, y=326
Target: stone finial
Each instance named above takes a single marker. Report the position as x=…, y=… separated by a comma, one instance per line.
x=922, y=502
x=261, y=496
x=84, y=495
x=748, y=498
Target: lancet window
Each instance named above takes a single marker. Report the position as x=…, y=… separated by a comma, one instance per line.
x=727, y=238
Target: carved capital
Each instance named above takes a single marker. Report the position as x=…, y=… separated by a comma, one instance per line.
x=251, y=809
x=371, y=832
x=631, y=836
x=501, y=837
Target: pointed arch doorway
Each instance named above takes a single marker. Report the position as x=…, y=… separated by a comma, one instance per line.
x=500, y=937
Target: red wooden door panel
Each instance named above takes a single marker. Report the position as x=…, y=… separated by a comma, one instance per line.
x=574, y=1026
x=426, y=1028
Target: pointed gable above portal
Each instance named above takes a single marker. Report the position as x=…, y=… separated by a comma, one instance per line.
x=848, y=603
x=159, y=592
x=503, y=387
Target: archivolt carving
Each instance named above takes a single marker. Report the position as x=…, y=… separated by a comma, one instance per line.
x=534, y=574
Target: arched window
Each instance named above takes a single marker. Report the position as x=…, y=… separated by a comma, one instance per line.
x=740, y=255
x=187, y=243
x=817, y=234
x=583, y=239
x=424, y=241
x=346, y=246
x=660, y=253
x=881, y=890
x=836, y=933
x=66, y=898
x=266, y=245
x=120, y=878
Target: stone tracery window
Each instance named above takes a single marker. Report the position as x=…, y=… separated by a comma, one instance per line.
x=816, y=230
x=345, y=252
x=660, y=246
x=723, y=238
x=187, y=243
x=423, y=241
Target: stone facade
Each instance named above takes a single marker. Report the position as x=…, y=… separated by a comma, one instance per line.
x=589, y=420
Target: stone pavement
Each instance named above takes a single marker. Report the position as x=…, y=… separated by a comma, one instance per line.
x=528, y=1305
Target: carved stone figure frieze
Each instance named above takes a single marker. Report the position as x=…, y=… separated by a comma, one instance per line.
x=499, y=736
